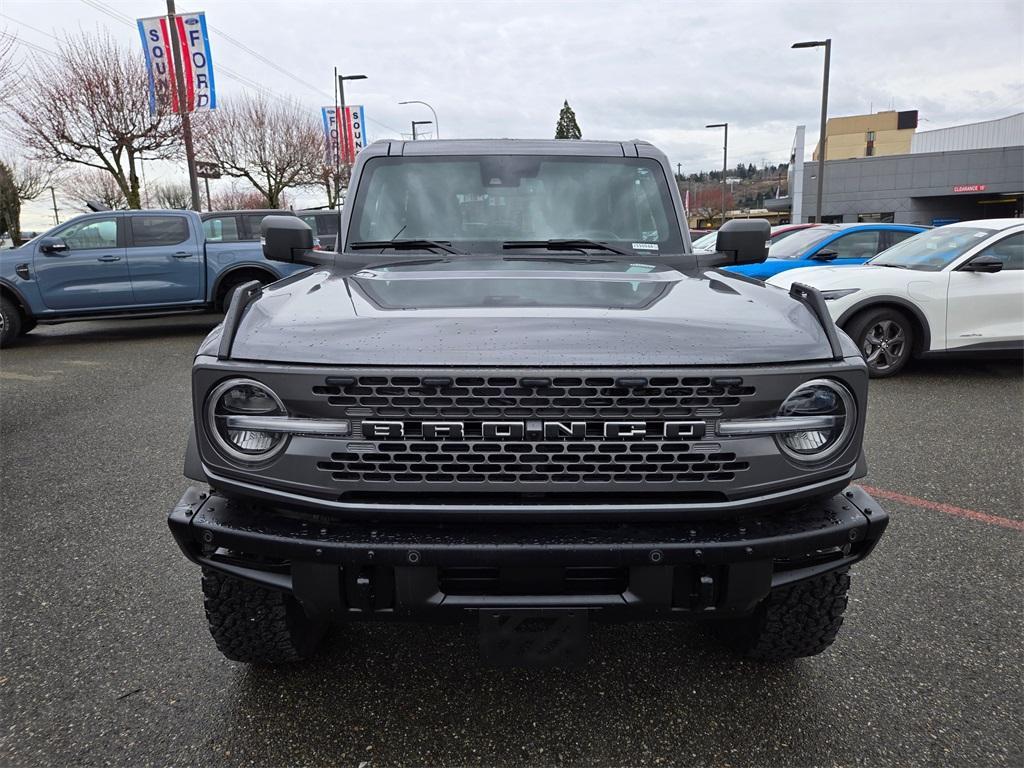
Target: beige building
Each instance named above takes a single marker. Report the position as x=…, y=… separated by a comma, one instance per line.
x=874, y=135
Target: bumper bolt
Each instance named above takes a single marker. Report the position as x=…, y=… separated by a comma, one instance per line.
x=749, y=550
x=319, y=552
x=849, y=494
x=655, y=556
x=208, y=537
x=698, y=554
x=853, y=535
x=868, y=510
x=413, y=557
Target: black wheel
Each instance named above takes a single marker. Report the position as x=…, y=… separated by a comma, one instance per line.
x=257, y=625
x=11, y=321
x=886, y=339
x=797, y=620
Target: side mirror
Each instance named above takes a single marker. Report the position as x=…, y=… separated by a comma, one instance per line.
x=983, y=264
x=287, y=238
x=825, y=254
x=53, y=245
x=743, y=241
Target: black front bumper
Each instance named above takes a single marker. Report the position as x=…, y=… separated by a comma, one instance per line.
x=361, y=569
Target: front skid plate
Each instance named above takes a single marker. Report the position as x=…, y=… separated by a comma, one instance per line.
x=532, y=638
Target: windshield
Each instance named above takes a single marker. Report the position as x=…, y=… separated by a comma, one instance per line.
x=801, y=241
x=480, y=203
x=933, y=250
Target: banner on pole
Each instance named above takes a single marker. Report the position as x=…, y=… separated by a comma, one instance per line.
x=330, y=119
x=355, y=122
x=196, y=62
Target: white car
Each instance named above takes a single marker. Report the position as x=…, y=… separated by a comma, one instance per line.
x=958, y=288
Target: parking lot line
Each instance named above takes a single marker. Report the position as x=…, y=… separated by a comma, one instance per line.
x=949, y=509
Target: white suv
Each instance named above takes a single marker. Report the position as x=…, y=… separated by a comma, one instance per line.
x=958, y=288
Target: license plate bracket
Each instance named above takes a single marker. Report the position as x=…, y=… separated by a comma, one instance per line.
x=533, y=638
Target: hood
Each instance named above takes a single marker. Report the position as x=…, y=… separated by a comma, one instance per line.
x=526, y=312
x=826, y=278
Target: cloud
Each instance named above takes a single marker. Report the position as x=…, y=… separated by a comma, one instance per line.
x=652, y=70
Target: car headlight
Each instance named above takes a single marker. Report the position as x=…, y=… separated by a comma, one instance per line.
x=244, y=397
x=834, y=405
x=833, y=295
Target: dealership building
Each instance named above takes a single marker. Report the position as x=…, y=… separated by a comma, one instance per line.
x=880, y=168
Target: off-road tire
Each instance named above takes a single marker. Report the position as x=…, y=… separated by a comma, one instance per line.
x=863, y=325
x=797, y=620
x=11, y=321
x=257, y=625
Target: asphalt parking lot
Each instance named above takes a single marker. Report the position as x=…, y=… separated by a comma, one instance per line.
x=107, y=661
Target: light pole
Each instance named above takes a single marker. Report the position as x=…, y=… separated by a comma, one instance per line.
x=342, y=132
x=419, y=122
x=827, y=44
x=437, y=128
x=725, y=159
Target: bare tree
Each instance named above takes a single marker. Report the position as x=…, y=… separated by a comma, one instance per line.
x=272, y=145
x=8, y=69
x=19, y=183
x=89, y=105
x=173, y=195
x=95, y=185
x=237, y=198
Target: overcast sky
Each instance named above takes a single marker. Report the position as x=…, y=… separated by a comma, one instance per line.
x=657, y=71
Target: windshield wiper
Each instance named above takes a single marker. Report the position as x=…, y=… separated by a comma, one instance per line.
x=572, y=244
x=894, y=266
x=404, y=245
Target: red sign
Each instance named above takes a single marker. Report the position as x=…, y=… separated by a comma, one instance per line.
x=969, y=188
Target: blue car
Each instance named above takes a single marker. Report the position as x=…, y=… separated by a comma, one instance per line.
x=836, y=245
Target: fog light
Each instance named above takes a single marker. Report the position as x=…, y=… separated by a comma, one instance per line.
x=818, y=398
x=244, y=397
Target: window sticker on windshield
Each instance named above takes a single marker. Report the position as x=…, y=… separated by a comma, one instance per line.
x=645, y=246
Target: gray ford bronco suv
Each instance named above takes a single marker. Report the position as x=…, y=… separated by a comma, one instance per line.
x=514, y=396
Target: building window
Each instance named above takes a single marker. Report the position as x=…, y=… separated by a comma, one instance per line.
x=869, y=150
x=834, y=219
x=871, y=218
x=871, y=136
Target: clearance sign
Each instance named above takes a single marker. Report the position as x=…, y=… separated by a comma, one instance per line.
x=196, y=63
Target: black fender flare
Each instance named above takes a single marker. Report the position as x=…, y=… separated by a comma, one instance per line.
x=193, y=462
x=240, y=268
x=899, y=301
x=7, y=287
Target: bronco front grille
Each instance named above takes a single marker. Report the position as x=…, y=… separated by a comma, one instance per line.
x=533, y=462
x=469, y=397
x=472, y=458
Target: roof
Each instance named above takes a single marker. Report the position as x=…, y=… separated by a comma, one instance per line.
x=579, y=147
x=997, y=224
x=988, y=134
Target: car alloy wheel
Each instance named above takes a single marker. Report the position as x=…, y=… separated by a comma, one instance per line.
x=884, y=345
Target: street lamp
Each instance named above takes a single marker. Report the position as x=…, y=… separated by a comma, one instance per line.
x=725, y=160
x=827, y=44
x=437, y=128
x=419, y=122
x=339, y=113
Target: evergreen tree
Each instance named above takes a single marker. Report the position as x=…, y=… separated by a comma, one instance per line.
x=567, y=127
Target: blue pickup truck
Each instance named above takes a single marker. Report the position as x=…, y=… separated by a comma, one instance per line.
x=131, y=264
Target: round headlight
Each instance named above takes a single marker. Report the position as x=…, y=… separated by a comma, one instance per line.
x=824, y=398
x=243, y=397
